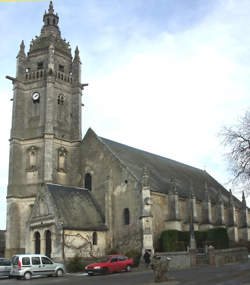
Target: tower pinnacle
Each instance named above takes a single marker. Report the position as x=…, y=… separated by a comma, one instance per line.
x=51, y=9
x=50, y=20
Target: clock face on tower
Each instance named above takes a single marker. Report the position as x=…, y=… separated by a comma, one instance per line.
x=35, y=96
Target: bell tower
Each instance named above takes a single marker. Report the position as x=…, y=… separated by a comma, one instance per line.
x=46, y=124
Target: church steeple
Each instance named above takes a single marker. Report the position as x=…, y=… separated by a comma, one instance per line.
x=50, y=21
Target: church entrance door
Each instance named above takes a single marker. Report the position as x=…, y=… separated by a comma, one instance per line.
x=48, y=243
x=37, y=243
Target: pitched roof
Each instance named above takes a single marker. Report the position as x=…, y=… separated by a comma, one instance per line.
x=70, y=201
x=162, y=170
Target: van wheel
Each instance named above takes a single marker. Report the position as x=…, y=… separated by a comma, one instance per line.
x=59, y=273
x=27, y=276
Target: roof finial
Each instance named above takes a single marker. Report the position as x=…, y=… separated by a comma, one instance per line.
x=51, y=9
x=77, y=53
x=243, y=198
x=22, y=49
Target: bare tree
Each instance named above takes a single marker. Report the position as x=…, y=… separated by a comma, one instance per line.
x=237, y=141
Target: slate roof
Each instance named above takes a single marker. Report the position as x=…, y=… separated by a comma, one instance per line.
x=162, y=170
x=70, y=201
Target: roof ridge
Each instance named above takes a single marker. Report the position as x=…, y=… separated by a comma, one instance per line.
x=155, y=155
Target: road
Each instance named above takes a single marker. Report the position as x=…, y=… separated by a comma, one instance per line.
x=234, y=274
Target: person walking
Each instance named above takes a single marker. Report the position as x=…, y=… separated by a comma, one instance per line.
x=146, y=257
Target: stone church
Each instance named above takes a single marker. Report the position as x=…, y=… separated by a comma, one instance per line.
x=68, y=194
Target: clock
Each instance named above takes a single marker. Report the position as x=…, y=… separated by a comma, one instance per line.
x=35, y=96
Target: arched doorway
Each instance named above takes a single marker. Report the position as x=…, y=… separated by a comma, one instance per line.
x=94, y=238
x=48, y=243
x=37, y=243
x=88, y=181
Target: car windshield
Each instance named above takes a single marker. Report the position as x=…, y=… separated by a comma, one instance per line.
x=5, y=262
x=103, y=259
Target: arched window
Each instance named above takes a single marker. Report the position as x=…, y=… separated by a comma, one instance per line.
x=37, y=243
x=48, y=243
x=88, y=181
x=126, y=216
x=94, y=238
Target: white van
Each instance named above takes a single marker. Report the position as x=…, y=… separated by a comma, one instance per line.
x=28, y=265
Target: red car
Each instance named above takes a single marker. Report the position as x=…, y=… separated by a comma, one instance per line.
x=110, y=263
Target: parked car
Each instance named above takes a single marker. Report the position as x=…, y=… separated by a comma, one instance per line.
x=109, y=264
x=5, y=266
x=28, y=265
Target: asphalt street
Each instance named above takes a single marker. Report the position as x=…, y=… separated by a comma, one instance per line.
x=233, y=274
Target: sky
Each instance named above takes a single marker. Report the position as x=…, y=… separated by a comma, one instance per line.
x=164, y=76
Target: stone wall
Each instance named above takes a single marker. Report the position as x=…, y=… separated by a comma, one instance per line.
x=183, y=259
x=232, y=255
x=179, y=260
x=2, y=243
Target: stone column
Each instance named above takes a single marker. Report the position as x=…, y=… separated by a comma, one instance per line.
x=232, y=227
x=211, y=255
x=220, y=217
x=192, y=215
x=244, y=223
x=146, y=217
x=108, y=210
x=43, y=242
x=173, y=220
x=192, y=254
x=206, y=211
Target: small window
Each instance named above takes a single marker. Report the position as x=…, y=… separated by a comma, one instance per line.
x=88, y=181
x=26, y=261
x=46, y=260
x=40, y=65
x=15, y=260
x=35, y=260
x=114, y=259
x=94, y=238
x=60, y=99
x=61, y=68
x=122, y=258
x=126, y=216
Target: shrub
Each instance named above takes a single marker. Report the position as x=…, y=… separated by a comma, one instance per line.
x=169, y=240
x=219, y=236
x=183, y=238
x=75, y=264
x=200, y=238
x=135, y=254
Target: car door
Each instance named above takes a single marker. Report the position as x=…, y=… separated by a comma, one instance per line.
x=121, y=263
x=113, y=266
x=48, y=266
x=36, y=266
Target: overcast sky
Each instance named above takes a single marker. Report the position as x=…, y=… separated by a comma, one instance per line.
x=164, y=75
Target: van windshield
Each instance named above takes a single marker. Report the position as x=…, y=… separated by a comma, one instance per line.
x=15, y=260
x=4, y=262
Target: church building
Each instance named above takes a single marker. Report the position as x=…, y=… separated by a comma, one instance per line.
x=71, y=195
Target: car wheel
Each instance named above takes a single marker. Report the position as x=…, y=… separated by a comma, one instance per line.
x=128, y=268
x=90, y=273
x=27, y=276
x=59, y=273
